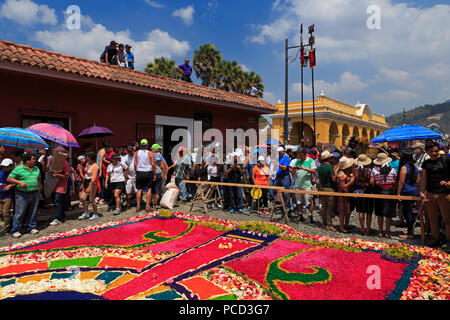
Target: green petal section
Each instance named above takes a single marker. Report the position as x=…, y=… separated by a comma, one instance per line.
x=81, y=262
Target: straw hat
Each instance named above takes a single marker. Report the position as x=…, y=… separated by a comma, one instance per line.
x=381, y=159
x=345, y=163
x=363, y=160
x=442, y=152
x=420, y=146
x=325, y=155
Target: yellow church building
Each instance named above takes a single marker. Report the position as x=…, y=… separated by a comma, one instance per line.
x=336, y=122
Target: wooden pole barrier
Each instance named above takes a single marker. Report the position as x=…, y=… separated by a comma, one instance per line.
x=320, y=193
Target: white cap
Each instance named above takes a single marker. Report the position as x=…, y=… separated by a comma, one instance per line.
x=7, y=163
x=81, y=158
x=280, y=149
x=261, y=159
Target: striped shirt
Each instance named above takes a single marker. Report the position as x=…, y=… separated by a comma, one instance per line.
x=27, y=175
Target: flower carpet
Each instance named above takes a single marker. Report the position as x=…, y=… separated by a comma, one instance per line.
x=165, y=256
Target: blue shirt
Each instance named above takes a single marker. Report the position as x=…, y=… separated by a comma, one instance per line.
x=253, y=91
x=130, y=58
x=3, y=183
x=187, y=70
x=159, y=159
x=284, y=161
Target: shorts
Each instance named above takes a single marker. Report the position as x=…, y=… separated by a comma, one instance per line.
x=144, y=180
x=130, y=187
x=305, y=199
x=117, y=186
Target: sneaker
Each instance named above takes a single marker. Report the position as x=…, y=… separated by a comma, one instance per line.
x=241, y=211
x=34, y=231
x=102, y=201
x=84, y=216
x=219, y=205
x=232, y=211
x=249, y=208
x=17, y=234
x=117, y=212
x=94, y=217
x=266, y=212
x=55, y=222
x=213, y=205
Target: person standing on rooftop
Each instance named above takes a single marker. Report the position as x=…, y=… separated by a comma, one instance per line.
x=186, y=70
x=130, y=57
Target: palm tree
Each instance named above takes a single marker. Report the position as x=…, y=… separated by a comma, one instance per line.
x=163, y=67
x=227, y=75
x=206, y=59
x=252, y=78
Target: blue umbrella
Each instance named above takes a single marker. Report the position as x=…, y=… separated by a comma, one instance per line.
x=273, y=141
x=21, y=138
x=406, y=132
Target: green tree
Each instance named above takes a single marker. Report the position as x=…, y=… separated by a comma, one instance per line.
x=163, y=67
x=227, y=76
x=205, y=61
x=249, y=78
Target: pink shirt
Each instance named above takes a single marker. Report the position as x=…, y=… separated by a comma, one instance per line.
x=61, y=187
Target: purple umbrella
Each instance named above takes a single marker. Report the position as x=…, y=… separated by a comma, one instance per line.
x=95, y=132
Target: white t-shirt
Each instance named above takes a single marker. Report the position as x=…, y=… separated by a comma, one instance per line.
x=117, y=172
x=213, y=171
x=129, y=163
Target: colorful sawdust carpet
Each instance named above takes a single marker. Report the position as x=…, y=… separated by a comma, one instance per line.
x=180, y=256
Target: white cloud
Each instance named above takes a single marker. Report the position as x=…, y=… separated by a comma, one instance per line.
x=90, y=42
x=270, y=98
x=27, y=12
x=154, y=4
x=245, y=68
x=347, y=82
x=186, y=14
x=407, y=58
x=395, y=75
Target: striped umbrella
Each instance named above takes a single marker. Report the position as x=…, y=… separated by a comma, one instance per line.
x=55, y=133
x=21, y=138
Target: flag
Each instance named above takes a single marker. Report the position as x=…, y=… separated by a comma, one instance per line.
x=302, y=57
x=312, y=58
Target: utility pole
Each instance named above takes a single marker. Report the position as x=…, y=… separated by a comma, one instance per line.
x=312, y=63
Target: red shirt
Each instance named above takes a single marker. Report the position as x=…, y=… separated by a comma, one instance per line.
x=61, y=187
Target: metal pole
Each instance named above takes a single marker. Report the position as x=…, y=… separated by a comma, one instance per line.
x=314, y=107
x=303, y=121
x=286, y=93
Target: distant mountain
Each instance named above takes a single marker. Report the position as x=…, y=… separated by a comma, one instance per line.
x=424, y=116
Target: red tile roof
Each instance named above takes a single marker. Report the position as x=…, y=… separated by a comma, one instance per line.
x=43, y=59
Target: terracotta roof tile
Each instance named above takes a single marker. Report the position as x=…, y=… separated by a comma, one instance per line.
x=17, y=53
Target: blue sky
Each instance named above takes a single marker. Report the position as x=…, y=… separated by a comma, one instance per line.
x=404, y=64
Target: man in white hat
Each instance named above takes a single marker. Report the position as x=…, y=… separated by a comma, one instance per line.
x=304, y=168
x=327, y=178
x=6, y=193
x=420, y=155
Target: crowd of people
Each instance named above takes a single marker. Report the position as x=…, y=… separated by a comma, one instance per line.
x=121, y=177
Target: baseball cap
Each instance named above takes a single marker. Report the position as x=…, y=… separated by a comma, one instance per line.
x=261, y=159
x=144, y=142
x=115, y=157
x=181, y=149
x=81, y=158
x=128, y=46
x=280, y=149
x=156, y=146
x=130, y=148
x=7, y=163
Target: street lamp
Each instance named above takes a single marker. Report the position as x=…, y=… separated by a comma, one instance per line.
x=312, y=63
